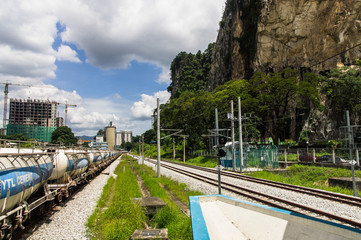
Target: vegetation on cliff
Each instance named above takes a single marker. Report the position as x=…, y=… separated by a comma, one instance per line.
x=269, y=98
x=190, y=72
x=279, y=103
x=343, y=88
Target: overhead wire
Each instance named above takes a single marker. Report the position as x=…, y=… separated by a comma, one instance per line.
x=325, y=60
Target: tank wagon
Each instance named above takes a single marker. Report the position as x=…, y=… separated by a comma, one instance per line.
x=31, y=180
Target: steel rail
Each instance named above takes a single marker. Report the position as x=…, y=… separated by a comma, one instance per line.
x=243, y=191
x=345, y=199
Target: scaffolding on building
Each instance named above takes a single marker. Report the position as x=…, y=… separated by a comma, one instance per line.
x=35, y=119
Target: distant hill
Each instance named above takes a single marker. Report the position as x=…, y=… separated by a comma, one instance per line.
x=85, y=138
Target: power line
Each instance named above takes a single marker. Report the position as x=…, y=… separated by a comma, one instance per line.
x=336, y=55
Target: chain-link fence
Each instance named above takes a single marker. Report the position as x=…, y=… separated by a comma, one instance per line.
x=254, y=156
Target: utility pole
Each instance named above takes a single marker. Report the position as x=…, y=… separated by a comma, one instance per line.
x=351, y=157
x=184, y=149
x=173, y=150
x=232, y=126
x=140, y=153
x=218, y=157
x=158, y=139
x=240, y=132
x=143, y=149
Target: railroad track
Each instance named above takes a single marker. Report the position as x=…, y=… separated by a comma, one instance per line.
x=341, y=198
x=270, y=200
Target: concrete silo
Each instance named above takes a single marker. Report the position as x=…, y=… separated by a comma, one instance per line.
x=110, y=133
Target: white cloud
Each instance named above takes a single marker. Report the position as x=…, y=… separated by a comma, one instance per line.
x=46, y=92
x=103, y=111
x=88, y=117
x=26, y=63
x=111, y=34
x=164, y=76
x=155, y=31
x=27, y=31
x=65, y=53
x=143, y=109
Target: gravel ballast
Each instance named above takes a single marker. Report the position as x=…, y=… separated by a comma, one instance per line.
x=343, y=210
x=69, y=221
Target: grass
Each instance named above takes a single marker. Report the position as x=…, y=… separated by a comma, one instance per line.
x=310, y=176
x=117, y=216
x=181, y=190
x=293, y=156
x=290, y=157
x=171, y=217
x=201, y=161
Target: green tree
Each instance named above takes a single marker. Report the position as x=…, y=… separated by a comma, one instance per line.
x=63, y=135
x=100, y=132
x=343, y=88
x=231, y=90
x=190, y=72
x=127, y=146
x=18, y=136
x=150, y=136
x=280, y=94
x=191, y=112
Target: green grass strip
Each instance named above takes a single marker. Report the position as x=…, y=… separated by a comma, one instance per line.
x=310, y=176
x=171, y=217
x=116, y=215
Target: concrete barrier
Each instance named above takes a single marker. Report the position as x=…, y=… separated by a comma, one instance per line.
x=222, y=217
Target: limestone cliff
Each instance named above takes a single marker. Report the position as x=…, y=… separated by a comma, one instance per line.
x=269, y=35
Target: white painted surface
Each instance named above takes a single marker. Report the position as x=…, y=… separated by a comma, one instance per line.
x=226, y=221
x=229, y=218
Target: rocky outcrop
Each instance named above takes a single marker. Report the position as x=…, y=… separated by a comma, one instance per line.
x=269, y=35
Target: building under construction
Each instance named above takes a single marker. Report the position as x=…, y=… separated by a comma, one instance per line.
x=33, y=118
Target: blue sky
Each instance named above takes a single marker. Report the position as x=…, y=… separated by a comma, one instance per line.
x=138, y=77
x=110, y=58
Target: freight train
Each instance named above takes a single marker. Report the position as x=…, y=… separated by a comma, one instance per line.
x=33, y=179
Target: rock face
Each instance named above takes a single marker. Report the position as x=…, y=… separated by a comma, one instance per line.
x=269, y=35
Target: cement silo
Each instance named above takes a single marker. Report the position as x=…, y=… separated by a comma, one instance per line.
x=110, y=133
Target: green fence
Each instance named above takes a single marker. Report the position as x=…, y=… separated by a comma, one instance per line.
x=41, y=133
x=257, y=156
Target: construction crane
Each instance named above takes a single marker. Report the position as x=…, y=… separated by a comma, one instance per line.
x=66, y=111
x=6, y=91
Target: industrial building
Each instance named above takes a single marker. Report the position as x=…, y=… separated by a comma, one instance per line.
x=33, y=118
x=110, y=133
x=112, y=138
x=123, y=137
